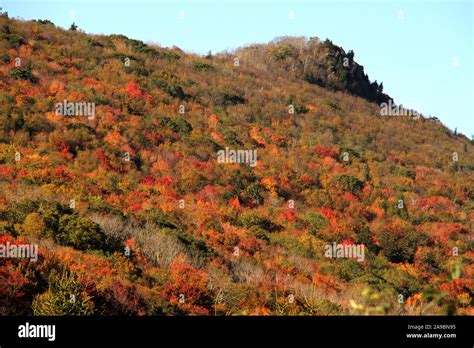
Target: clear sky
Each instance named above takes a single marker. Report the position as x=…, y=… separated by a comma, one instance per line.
x=421, y=50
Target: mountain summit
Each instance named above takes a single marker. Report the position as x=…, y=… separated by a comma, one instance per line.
x=316, y=62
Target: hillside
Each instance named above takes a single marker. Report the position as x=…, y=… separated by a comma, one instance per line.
x=114, y=160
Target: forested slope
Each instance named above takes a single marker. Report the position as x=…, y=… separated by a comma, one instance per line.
x=134, y=214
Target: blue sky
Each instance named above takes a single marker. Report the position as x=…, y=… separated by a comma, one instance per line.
x=421, y=50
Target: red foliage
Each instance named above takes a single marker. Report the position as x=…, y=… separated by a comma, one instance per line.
x=350, y=197
x=165, y=181
x=134, y=90
x=208, y=193
x=122, y=299
x=251, y=245
x=147, y=180
x=326, y=151
x=443, y=232
x=187, y=287
x=436, y=204
x=63, y=149
x=348, y=241
x=61, y=173
x=328, y=213
x=457, y=287
x=305, y=178
x=105, y=162
x=325, y=282
x=14, y=297
x=235, y=203
x=367, y=189
x=288, y=215
x=6, y=172
x=135, y=207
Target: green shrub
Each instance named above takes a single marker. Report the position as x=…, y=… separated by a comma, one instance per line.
x=51, y=213
x=299, y=107
x=22, y=73
x=259, y=233
x=224, y=97
x=66, y=295
x=364, y=236
x=13, y=39
x=251, y=195
x=203, y=66
x=142, y=48
x=162, y=219
x=346, y=269
x=175, y=91
x=402, y=282
x=177, y=124
x=194, y=245
x=349, y=183
x=402, y=171
x=249, y=220
x=230, y=137
x=79, y=232
x=44, y=22
x=282, y=52
x=401, y=247
x=315, y=221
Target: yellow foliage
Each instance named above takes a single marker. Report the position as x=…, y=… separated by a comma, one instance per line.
x=33, y=225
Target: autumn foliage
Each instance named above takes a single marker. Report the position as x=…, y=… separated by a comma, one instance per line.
x=134, y=215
